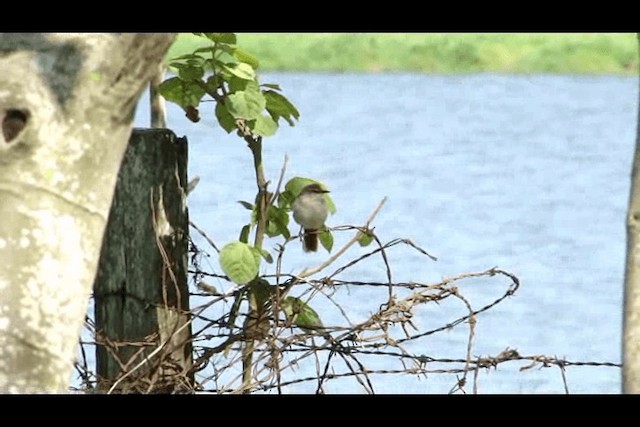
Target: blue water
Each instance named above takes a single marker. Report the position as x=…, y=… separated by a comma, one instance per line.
x=526, y=173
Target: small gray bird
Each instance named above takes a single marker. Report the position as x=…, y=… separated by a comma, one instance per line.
x=310, y=211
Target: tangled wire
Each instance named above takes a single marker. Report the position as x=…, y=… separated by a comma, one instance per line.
x=349, y=352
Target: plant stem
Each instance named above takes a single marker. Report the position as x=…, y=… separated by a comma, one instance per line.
x=262, y=208
x=262, y=202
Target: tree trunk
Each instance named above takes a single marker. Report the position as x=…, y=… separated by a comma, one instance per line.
x=631, y=328
x=157, y=103
x=141, y=292
x=66, y=106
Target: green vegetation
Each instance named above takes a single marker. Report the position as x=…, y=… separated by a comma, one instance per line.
x=593, y=53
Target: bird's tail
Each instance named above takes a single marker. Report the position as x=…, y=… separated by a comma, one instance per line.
x=310, y=240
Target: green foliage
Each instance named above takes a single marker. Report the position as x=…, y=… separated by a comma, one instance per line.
x=246, y=205
x=301, y=314
x=225, y=119
x=246, y=57
x=246, y=104
x=228, y=38
x=279, y=106
x=263, y=126
x=263, y=291
x=181, y=92
x=244, y=234
x=217, y=68
x=278, y=222
x=326, y=239
x=240, y=262
x=241, y=103
x=235, y=307
x=365, y=239
x=439, y=53
x=265, y=254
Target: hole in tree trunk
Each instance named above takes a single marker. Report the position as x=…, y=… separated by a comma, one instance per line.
x=12, y=124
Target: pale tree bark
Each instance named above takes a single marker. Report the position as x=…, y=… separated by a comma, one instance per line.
x=631, y=327
x=157, y=103
x=66, y=106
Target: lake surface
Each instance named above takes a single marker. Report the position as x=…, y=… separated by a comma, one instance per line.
x=527, y=173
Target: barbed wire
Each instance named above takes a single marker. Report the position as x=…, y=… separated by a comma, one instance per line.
x=285, y=355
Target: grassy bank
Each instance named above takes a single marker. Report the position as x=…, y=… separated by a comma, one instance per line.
x=438, y=53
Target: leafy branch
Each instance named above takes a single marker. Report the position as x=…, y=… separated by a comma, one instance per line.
x=225, y=74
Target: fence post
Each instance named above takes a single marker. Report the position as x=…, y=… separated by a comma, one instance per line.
x=143, y=332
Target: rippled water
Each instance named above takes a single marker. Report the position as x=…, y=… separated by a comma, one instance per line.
x=527, y=173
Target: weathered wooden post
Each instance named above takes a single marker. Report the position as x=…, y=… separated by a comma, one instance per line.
x=141, y=295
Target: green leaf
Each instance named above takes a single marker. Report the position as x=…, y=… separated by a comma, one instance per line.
x=183, y=93
x=175, y=62
x=190, y=72
x=246, y=205
x=226, y=120
x=246, y=104
x=240, y=262
x=326, y=239
x=276, y=229
x=279, y=106
x=330, y=205
x=229, y=38
x=272, y=229
x=218, y=66
x=271, y=86
x=285, y=199
x=235, y=307
x=278, y=222
x=197, y=61
x=225, y=53
x=365, y=239
x=283, y=229
x=301, y=314
x=266, y=255
x=208, y=49
x=244, y=233
x=242, y=70
x=264, y=126
x=246, y=57
x=213, y=82
x=237, y=84
x=297, y=183
x=263, y=290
